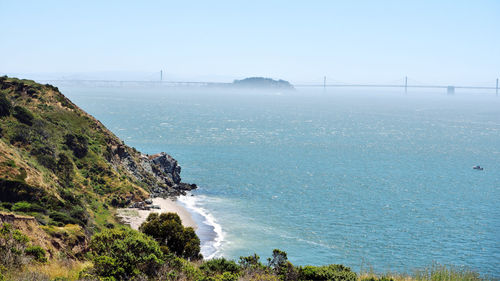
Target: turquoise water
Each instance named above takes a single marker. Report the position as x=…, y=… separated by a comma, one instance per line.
x=366, y=178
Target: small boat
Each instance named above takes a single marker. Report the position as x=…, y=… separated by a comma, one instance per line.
x=477, y=168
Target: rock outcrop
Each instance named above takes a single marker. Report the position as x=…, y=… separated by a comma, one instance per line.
x=160, y=172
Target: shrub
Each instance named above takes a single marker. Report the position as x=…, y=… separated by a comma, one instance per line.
x=12, y=245
x=227, y=276
x=167, y=229
x=65, y=169
x=23, y=115
x=281, y=266
x=124, y=253
x=46, y=156
x=78, y=144
x=5, y=105
x=334, y=272
x=22, y=134
x=37, y=252
x=6, y=205
x=250, y=262
x=63, y=218
x=219, y=266
x=16, y=190
x=78, y=213
x=24, y=206
x=41, y=129
x=278, y=260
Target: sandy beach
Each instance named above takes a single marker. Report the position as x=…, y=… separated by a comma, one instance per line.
x=135, y=217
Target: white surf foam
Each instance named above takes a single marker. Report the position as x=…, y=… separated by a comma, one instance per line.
x=211, y=247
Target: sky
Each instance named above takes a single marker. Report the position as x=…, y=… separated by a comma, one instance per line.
x=300, y=41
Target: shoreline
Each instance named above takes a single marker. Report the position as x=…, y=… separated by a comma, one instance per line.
x=204, y=224
x=135, y=217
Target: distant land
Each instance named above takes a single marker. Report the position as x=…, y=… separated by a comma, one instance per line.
x=262, y=82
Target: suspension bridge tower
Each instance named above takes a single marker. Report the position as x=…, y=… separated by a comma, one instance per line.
x=406, y=84
x=496, y=89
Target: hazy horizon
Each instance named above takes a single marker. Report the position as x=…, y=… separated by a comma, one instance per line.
x=445, y=42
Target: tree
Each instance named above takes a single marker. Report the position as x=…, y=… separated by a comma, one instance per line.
x=282, y=267
x=124, y=253
x=167, y=229
x=278, y=260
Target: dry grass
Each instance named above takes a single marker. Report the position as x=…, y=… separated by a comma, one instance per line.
x=67, y=269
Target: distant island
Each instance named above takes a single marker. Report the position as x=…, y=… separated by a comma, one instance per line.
x=262, y=83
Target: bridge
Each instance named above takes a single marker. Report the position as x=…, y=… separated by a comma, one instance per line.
x=450, y=89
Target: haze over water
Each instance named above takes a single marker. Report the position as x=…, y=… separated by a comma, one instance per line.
x=359, y=177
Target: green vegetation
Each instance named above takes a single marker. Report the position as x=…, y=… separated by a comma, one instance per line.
x=123, y=253
x=5, y=106
x=63, y=171
x=327, y=272
x=23, y=115
x=37, y=252
x=167, y=229
x=438, y=272
x=15, y=249
x=77, y=143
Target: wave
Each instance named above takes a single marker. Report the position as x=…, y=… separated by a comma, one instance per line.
x=210, y=232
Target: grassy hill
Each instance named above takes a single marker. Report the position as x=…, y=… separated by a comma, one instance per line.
x=62, y=167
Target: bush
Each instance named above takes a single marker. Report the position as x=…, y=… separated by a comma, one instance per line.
x=12, y=246
x=37, y=252
x=250, y=262
x=281, y=266
x=78, y=144
x=219, y=266
x=63, y=218
x=5, y=105
x=78, y=213
x=6, y=205
x=46, y=156
x=22, y=134
x=24, y=206
x=124, y=253
x=334, y=272
x=278, y=260
x=167, y=229
x=65, y=169
x=23, y=115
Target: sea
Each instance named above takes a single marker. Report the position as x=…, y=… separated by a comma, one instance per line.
x=375, y=179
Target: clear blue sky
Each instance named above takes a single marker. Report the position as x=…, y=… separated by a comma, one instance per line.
x=352, y=41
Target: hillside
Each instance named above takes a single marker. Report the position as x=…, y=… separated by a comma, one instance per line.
x=61, y=166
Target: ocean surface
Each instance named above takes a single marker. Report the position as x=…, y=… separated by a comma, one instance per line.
x=373, y=179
